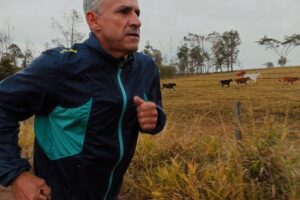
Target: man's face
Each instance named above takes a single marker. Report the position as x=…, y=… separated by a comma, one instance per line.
x=119, y=23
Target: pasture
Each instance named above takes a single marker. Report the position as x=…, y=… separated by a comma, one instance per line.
x=197, y=157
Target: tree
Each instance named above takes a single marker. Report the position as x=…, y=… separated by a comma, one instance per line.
x=281, y=48
x=183, y=57
x=197, y=55
x=6, y=67
x=154, y=53
x=68, y=30
x=282, y=61
x=224, y=49
x=5, y=38
x=269, y=64
x=219, y=55
x=2, y=43
x=231, y=41
x=11, y=52
x=217, y=50
x=15, y=53
x=196, y=59
x=27, y=57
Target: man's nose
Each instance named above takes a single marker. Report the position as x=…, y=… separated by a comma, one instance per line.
x=135, y=20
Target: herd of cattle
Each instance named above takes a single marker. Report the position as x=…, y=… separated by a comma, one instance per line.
x=242, y=78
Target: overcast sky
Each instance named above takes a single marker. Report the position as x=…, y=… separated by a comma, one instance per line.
x=166, y=22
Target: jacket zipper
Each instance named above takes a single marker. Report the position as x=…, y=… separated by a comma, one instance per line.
x=120, y=133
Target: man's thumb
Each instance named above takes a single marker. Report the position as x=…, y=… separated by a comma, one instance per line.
x=138, y=101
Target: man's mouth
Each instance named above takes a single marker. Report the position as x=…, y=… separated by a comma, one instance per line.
x=133, y=34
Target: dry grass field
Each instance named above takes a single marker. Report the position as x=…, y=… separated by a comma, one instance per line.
x=197, y=157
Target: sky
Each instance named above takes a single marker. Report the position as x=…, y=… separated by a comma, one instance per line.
x=166, y=22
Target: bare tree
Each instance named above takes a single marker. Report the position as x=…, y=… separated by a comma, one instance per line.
x=68, y=30
x=2, y=40
x=5, y=38
x=281, y=48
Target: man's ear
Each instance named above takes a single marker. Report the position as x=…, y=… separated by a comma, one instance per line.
x=93, y=21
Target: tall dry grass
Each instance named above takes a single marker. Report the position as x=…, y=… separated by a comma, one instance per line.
x=212, y=164
x=26, y=139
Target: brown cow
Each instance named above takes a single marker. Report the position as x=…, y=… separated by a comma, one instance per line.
x=242, y=80
x=289, y=79
x=241, y=73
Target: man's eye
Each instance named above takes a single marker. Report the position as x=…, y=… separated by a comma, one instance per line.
x=124, y=11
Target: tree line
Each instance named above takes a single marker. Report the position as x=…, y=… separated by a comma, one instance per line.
x=200, y=54
x=197, y=54
x=217, y=52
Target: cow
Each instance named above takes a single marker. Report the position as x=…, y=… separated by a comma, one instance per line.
x=289, y=79
x=242, y=80
x=241, y=73
x=253, y=76
x=225, y=82
x=168, y=86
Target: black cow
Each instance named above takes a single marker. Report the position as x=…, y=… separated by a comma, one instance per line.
x=225, y=82
x=168, y=86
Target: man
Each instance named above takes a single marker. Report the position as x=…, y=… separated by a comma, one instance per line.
x=89, y=103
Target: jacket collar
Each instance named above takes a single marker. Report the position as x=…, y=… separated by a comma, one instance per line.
x=94, y=43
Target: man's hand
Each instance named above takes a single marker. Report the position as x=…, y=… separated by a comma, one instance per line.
x=29, y=187
x=147, y=113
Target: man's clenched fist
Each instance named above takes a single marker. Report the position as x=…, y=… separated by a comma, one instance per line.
x=147, y=113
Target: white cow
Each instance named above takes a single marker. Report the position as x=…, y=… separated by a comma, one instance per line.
x=253, y=76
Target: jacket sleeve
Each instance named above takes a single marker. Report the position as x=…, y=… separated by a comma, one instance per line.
x=155, y=96
x=28, y=92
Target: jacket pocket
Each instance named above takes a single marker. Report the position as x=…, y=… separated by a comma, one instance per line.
x=61, y=133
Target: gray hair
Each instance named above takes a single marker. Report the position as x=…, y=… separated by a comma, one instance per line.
x=92, y=5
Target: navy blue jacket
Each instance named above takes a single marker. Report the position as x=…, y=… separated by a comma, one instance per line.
x=86, y=125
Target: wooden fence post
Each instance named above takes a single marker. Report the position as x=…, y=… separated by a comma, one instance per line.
x=237, y=128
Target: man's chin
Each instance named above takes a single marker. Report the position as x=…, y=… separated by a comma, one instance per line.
x=132, y=48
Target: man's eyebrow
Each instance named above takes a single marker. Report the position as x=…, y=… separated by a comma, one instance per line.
x=125, y=8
